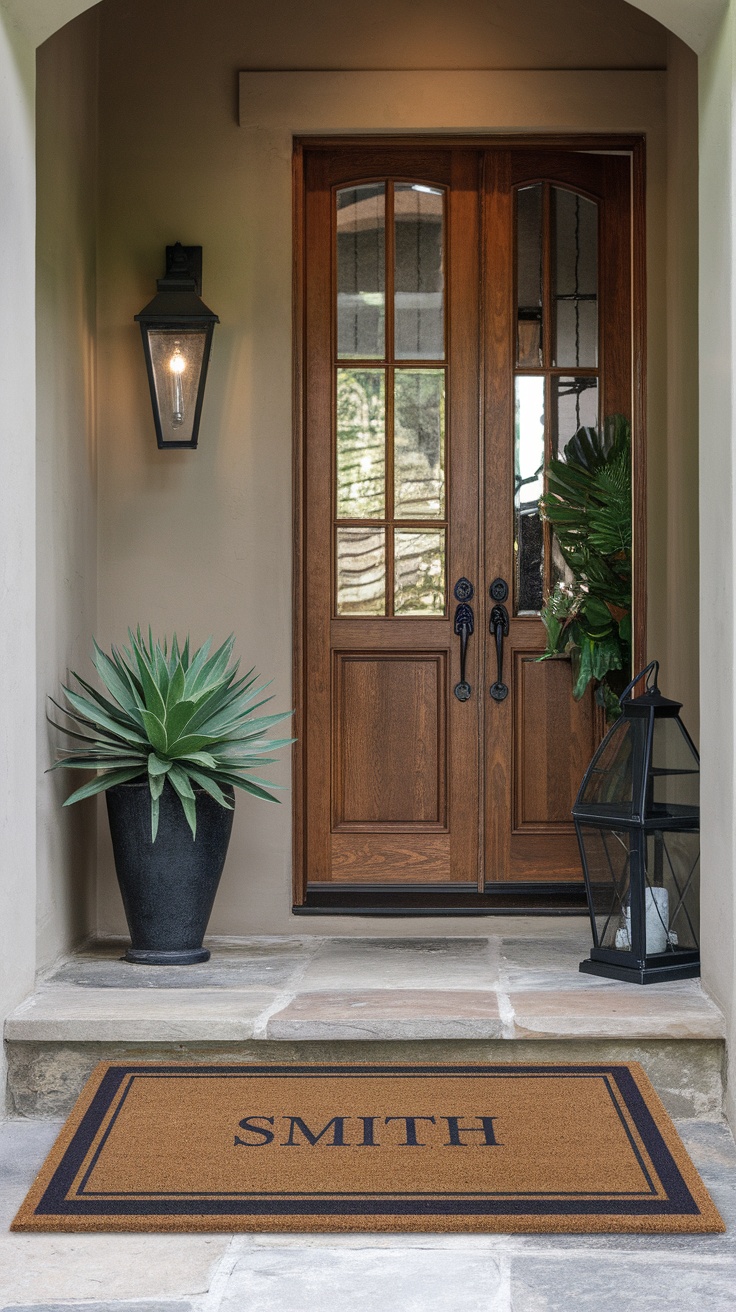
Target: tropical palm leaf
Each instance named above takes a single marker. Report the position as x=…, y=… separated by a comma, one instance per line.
x=588, y=504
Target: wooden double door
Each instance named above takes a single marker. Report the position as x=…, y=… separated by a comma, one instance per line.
x=463, y=310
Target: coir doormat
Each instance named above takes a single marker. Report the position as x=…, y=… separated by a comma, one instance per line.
x=464, y=1148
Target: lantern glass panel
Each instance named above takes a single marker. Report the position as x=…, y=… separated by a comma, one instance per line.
x=612, y=779
x=608, y=862
x=177, y=356
x=674, y=771
x=672, y=902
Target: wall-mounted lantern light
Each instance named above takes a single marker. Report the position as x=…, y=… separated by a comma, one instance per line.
x=177, y=329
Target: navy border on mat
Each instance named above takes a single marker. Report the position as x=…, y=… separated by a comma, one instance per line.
x=678, y=1202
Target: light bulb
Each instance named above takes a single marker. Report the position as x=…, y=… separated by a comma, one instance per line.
x=177, y=365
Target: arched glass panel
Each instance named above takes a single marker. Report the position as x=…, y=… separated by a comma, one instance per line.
x=419, y=275
x=361, y=272
x=575, y=279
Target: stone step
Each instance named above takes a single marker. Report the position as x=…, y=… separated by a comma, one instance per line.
x=515, y=995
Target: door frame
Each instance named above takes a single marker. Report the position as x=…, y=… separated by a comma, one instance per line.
x=530, y=899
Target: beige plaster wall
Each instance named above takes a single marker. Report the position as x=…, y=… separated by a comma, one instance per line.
x=203, y=540
x=66, y=488
x=673, y=482
x=17, y=525
x=717, y=581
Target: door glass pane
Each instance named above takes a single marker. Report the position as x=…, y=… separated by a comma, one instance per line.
x=419, y=443
x=361, y=571
x=419, y=272
x=575, y=278
x=361, y=272
x=361, y=443
x=574, y=406
x=529, y=276
x=419, y=563
x=528, y=488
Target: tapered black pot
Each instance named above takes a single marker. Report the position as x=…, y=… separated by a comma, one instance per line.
x=168, y=887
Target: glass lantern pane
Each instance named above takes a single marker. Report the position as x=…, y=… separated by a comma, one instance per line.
x=361, y=443
x=419, y=316
x=672, y=895
x=177, y=356
x=419, y=443
x=575, y=278
x=674, y=771
x=613, y=778
x=608, y=866
x=361, y=272
x=529, y=276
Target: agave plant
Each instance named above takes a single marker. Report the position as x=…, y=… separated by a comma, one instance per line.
x=170, y=714
x=588, y=504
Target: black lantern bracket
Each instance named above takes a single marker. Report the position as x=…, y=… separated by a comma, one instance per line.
x=185, y=261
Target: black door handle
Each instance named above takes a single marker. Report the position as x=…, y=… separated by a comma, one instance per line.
x=499, y=627
x=464, y=625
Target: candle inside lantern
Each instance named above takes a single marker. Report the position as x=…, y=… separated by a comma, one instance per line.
x=177, y=365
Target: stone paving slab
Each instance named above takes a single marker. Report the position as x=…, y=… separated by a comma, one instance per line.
x=416, y=963
x=631, y=1011
x=595, y=1284
x=294, y=1279
x=388, y=1014
x=267, y=963
x=64, y=1013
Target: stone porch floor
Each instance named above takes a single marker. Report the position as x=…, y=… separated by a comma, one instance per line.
x=514, y=994
x=511, y=994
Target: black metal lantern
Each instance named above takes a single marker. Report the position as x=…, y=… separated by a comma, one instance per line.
x=177, y=329
x=637, y=818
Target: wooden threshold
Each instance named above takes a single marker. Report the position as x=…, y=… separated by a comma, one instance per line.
x=532, y=898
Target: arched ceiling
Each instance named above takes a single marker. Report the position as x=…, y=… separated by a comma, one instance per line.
x=694, y=21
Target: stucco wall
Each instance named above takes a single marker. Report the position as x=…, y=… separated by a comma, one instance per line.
x=17, y=523
x=66, y=136
x=203, y=540
x=717, y=582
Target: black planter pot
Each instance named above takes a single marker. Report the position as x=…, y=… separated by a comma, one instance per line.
x=168, y=887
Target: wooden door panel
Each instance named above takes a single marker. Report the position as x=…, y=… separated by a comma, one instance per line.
x=390, y=859
x=554, y=739
x=389, y=740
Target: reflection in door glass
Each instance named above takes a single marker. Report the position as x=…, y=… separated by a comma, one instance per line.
x=361, y=272
x=574, y=406
x=419, y=572
x=361, y=443
x=419, y=272
x=529, y=276
x=361, y=571
x=575, y=278
x=419, y=443
x=528, y=488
